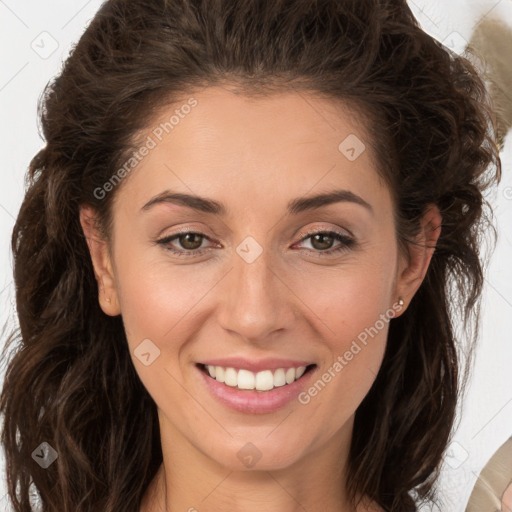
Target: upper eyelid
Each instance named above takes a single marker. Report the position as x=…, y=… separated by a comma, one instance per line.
x=314, y=231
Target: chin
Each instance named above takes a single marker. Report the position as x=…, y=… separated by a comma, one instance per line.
x=258, y=455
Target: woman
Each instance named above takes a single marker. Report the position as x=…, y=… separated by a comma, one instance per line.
x=240, y=257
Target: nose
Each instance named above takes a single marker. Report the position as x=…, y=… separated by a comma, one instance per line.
x=255, y=301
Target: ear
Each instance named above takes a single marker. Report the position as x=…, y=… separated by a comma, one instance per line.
x=100, y=256
x=412, y=269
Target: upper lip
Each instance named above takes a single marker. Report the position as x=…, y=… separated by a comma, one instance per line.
x=256, y=366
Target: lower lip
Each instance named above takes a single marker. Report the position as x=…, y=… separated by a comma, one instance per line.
x=252, y=401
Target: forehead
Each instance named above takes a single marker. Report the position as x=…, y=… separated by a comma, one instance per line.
x=218, y=143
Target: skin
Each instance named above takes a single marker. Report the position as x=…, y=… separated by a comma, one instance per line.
x=506, y=500
x=255, y=155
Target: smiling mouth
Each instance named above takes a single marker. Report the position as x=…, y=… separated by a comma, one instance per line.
x=265, y=380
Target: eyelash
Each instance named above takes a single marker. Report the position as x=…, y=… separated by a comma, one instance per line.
x=346, y=243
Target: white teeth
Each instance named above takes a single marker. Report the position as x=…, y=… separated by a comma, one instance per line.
x=230, y=377
x=261, y=381
x=290, y=375
x=264, y=380
x=300, y=372
x=219, y=373
x=279, y=378
x=245, y=379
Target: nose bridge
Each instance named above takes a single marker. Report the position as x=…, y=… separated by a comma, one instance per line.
x=255, y=303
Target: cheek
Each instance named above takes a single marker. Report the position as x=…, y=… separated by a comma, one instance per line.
x=346, y=376
x=350, y=299
x=354, y=306
x=156, y=296
x=159, y=306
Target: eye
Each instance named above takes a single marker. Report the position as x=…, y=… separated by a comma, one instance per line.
x=190, y=241
x=322, y=242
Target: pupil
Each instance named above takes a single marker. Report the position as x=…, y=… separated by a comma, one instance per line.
x=324, y=245
x=187, y=242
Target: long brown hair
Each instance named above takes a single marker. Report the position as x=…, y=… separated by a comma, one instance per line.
x=70, y=381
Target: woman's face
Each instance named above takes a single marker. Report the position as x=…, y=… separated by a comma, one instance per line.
x=253, y=288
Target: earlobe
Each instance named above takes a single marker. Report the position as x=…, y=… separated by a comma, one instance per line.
x=413, y=271
x=101, y=262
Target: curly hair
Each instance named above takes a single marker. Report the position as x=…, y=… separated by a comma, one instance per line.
x=433, y=129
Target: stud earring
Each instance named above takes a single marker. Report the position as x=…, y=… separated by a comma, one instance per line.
x=401, y=302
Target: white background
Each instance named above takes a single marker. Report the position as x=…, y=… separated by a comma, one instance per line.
x=30, y=25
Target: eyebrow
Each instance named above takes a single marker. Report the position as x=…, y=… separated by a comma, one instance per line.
x=294, y=206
